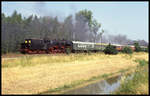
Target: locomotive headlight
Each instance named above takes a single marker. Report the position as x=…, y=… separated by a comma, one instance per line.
x=29, y=41
x=26, y=41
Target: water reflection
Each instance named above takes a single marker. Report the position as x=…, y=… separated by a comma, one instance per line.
x=103, y=87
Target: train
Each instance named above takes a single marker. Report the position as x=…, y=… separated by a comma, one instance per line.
x=45, y=46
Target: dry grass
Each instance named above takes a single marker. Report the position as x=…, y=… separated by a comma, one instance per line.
x=40, y=73
x=143, y=89
x=10, y=55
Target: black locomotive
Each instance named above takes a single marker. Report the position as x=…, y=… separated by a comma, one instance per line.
x=45, y=46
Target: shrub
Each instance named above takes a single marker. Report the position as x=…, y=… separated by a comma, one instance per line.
x=110, y=49
x=127, y=50
x=137, y=47
x=144, y=49
x=68, y=50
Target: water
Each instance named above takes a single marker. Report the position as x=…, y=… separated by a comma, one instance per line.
x=102, y=87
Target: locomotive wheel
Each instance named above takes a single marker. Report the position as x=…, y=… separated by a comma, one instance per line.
x=49, y=51
x=62, y=49
x=36, y=51
x=30, y=52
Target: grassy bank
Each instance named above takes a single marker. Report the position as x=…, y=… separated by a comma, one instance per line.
x=139, y=83
x=40, y=73
x=81, y=83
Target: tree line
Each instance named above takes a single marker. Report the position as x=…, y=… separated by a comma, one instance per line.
x=80, y=27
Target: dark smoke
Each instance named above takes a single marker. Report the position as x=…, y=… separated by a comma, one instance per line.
x=41, y=9
x=73, y=27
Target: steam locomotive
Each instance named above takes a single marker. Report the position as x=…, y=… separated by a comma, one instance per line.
x=42, y=46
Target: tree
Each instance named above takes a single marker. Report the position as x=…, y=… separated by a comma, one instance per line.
x=85, y=17
x=94, y=28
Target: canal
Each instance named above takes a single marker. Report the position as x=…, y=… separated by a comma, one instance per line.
x=101, y=87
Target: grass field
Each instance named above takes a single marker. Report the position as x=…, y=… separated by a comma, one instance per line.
x=38, y=73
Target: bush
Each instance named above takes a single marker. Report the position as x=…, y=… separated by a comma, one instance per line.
x=144, y=49
x=137, y=47
x=110, y=49
x=68, y=50
x=127, y=50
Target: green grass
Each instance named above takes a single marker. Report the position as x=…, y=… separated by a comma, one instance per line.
x=140, y=77
x=142, y=63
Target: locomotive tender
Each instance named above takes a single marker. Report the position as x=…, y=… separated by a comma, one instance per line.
x=39, y=46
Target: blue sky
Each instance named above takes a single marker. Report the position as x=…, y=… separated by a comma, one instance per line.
x=126, y=18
